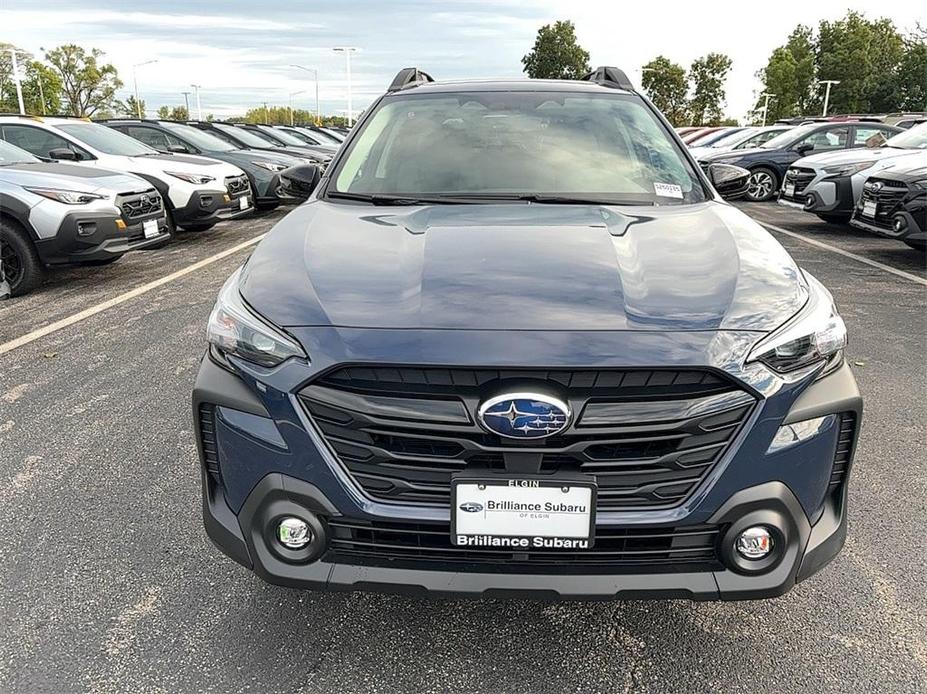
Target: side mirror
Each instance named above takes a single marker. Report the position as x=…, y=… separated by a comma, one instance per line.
x=178, y=149
x=62, y=154
x=804, y=148
x=730, y=181
x=300, y=181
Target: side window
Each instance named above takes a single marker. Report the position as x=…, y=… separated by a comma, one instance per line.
x=823, y=140
x=35, y=140
x=868, y=137
x=150, y=136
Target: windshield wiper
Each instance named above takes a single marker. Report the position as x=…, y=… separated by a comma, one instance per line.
x=381, y=199
x=550, y=199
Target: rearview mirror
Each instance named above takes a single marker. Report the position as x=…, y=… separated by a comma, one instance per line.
x=62, y=154
x=730, y=181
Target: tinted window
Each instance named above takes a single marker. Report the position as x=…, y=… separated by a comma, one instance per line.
x=823, y=140
x=248, y=137
x=106, y=140
x=600, y=146
x=35, y=140
x=759, y=139
x=206, y=141
x=151, y=137
x=10, y=154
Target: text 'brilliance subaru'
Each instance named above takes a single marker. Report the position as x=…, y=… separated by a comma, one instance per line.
x=516, y=344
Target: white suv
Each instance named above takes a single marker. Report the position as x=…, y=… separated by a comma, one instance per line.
x=198, y=192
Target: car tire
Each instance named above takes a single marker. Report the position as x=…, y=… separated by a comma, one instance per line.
x=204, y=226
x=834, y=218
x=762, y=185
x=22, y=267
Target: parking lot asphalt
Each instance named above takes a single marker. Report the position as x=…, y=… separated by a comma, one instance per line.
x=109, y=584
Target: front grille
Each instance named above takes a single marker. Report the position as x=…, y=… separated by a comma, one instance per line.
x=138, y=207
x=887, y=194
x=237, y=186
x=428, y=545
x=207, y=417
x=800, y=178
x=844, y=451
x=648, y=437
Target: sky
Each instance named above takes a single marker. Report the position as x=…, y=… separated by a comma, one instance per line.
x=241, y=52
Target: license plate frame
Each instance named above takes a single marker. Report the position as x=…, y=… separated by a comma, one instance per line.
x=790, y=190
x=870, y=208
x=243, y=202
x=150, y=228
x=510, y=526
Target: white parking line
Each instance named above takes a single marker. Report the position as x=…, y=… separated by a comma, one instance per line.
x=848, y=254
x=122, y=298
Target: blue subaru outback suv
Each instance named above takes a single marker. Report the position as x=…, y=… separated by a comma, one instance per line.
x=516, y=344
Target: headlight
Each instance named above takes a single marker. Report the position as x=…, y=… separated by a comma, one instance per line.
x=197, y=179
x=235, y=330
x=68, y=197
x=814, y=335
x=921, y=184
x=270, y=165
x=848, y=169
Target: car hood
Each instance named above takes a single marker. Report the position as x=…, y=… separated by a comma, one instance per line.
x=188, y=163
x=84, y=179
x=850, y=156
x=523, y=267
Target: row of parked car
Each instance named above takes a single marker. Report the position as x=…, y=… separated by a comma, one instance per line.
x=76, y=191
x=868, y=174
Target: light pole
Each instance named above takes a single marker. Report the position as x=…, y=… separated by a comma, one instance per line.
x=186, y=102
x=138, y=104
x=315, y=73
x=199, y=107
x=348, y=50
x=766, y=105
x=292, y=94
x=827, y=94
x=19, y=86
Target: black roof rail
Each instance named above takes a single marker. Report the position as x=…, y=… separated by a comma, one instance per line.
x=409, y=77
x=609, y=77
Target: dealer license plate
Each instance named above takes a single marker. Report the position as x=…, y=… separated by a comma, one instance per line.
x=869, y=208
x=522, y=513
x=790, y=190
x=243, y=202
x=150, y=228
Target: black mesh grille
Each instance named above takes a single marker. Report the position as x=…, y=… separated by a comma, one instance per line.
x=208, y=437
x=844, y=453
x=800, y=178
x=888, y=195
x=237, y=185
x=140, y=206
x=418, y=545
x=648, y=436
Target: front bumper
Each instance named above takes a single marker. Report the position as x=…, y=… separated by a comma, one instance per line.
x=794, y=496
x=910, y=218
x=826, y=195
x=211, y=206
x=95, y=237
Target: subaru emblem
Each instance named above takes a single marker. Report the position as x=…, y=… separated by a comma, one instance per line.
x=471, y=507
x=524, y=415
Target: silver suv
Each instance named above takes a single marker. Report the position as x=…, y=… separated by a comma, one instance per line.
x=55, y=214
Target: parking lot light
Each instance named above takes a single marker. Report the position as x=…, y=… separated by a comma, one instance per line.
x=138, y=104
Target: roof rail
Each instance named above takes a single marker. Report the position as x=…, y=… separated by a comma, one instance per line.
x=409, y=77
x=609, y=77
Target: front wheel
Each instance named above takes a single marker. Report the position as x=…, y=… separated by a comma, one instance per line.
x=20, y=264
x=762, y=184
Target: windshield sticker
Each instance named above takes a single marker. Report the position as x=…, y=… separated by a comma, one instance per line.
x=667, y=190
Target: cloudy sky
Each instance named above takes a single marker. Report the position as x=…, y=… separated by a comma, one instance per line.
x=241, y=52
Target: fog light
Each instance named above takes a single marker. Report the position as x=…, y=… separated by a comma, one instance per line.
x=754, y=543
x=293, y=532
x=900, y=223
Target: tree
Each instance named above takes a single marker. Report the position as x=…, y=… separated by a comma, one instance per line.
x=556, y=54
x=708, y=74
x=911, y=76
x=666, y=85
x=180, y=113
x=790, y=76
x=87, y=85
x=130, y=108
x=38, y=81
x=164, y=112
x=862, y=55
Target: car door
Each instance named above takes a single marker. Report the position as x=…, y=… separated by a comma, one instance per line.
x=825, y=140
x=40, y=142
x=869, y=136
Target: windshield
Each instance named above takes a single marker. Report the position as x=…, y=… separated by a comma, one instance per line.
x=249, y=137
x=733, y=138
x=785, y=139
x=714, y=137
x=198, y=138
x=282, y=137
x=319, y=137
x=600, y=147
x=11, y=154
x=915, y=138
x=107, y=140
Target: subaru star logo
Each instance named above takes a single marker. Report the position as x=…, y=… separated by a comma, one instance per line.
x=471, y=507
x=524, y=415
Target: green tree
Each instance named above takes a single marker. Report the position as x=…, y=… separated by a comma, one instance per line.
x=38, y=82
x=130, y=108
x=862, y=55
x=666, y=85
x=911, y=77
x=708, y=75
x=164, y=112
x=88, y=85
x=556, y=54
x=180, y=113
x=790, y=76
